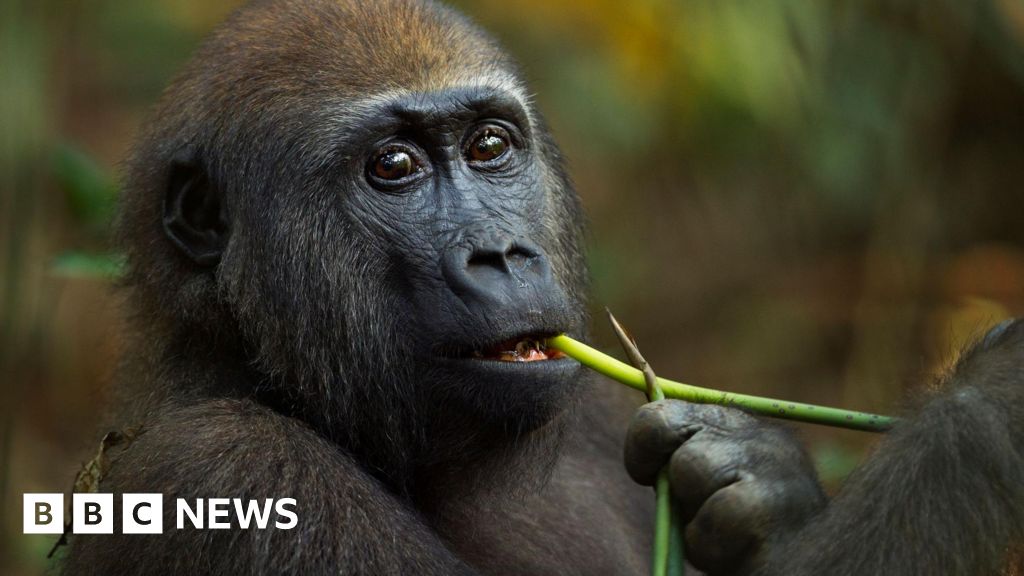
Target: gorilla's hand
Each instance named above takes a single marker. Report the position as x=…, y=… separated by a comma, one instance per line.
x=739, y=484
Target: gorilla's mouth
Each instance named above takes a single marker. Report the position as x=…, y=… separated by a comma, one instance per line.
x=522, y=349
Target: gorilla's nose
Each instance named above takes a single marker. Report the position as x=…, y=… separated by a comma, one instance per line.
x=494, y=267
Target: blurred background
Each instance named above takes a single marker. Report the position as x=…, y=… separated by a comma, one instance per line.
x=816, y=200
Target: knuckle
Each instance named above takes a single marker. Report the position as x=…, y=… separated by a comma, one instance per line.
x=711, y=460
x=648, y=434
x=666, y=412
x=662, y=425
x=727, y=529
x=697, y=472
x=688, y=468
x=650, y=414
x=771, y=505
x=740, y=510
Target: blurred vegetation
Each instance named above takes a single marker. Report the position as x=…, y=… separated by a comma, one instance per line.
x=814, y=200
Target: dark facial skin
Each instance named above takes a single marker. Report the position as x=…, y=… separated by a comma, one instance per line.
x=340, y=221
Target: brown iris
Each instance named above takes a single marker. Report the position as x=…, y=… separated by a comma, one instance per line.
x=489, y=145
x=393, y=164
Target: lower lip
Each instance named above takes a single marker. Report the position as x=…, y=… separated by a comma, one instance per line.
x=554, y=366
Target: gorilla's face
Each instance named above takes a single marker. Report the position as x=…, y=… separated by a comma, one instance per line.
x=450, y=187
x=452, y=190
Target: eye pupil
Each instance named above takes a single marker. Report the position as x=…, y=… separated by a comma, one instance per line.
x=488, y=146
x=394, y=165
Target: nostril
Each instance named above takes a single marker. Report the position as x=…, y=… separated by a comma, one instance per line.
x=519, y=257
x=513, y=257
x=490, y=259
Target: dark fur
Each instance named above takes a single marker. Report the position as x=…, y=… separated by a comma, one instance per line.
x=285, y=358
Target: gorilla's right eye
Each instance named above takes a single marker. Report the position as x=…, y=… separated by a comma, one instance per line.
x=393, y=164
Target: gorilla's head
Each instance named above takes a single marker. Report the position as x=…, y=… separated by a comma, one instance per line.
x=355, y=206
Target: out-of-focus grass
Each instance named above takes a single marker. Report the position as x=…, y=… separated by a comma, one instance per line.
x=91, y=192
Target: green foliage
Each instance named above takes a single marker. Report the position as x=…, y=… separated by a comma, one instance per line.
x=91, y=193
x=86, y=265
x=834, y=462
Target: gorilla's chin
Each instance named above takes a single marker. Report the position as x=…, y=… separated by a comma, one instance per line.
x=513, y=397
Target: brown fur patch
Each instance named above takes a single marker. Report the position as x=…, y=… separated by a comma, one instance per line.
x=347, y=48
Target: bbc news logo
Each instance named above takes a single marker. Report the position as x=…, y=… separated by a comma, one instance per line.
x=143, y=513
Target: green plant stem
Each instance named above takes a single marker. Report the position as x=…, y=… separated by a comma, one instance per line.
x=662, y=525
x=773, y=407
x=676, y=554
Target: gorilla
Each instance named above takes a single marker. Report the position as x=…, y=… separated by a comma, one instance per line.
x=348, y=235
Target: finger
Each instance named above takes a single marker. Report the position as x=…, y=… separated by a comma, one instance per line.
x=729, y=527
x=701, y=467
x=657, y=429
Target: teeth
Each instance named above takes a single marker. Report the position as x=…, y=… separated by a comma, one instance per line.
x=525, y=350
x=526, y=345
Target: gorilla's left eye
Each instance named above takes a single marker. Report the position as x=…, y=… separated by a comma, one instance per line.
x=488, y=144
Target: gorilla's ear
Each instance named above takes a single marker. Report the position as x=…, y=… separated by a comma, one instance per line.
x=195, y=219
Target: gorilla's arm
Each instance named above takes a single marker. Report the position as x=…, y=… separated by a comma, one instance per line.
x=942, y=494
x=347, y=523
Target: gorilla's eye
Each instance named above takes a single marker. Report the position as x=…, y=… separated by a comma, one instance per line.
x=391, y=164
x=489, y=144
